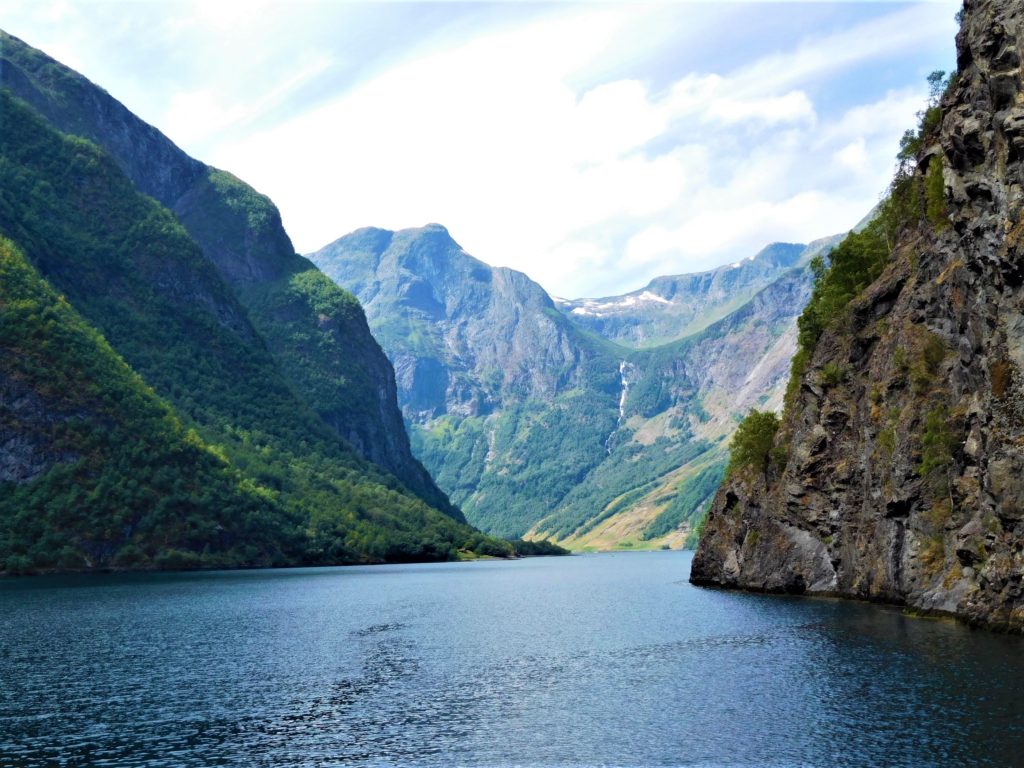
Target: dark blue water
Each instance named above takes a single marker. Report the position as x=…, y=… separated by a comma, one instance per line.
x=584, y=661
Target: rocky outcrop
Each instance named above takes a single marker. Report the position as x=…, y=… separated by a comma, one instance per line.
x=27, y=446
x=486, y=368
x=465, y=337
x=77, y=106
x=904, y=442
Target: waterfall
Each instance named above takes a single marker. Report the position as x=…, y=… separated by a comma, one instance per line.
x=626, y=371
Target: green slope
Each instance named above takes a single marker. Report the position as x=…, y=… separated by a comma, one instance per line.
x=131, y=270
x=330, y=360
x=113, y=477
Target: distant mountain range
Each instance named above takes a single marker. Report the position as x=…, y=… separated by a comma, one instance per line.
x=669, y=308
x=598, y=422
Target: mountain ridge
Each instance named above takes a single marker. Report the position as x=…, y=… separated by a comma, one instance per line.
x=671, y=307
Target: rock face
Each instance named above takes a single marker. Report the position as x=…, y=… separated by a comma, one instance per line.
x=507, y=403
x=327, y=353
x=463, y=336
x=27, y=449
x=533, y=422
x=904, y=474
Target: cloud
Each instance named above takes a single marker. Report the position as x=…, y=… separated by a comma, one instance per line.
x=854, y=156
x=582, y=144
x=587, y=189
x=793, y=107
x=193, y=115
x=820, y=57
x=796, y=185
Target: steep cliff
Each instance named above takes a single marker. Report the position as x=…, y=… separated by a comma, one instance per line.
x=902, y=472
x=535, y=423
x=316, y=332
x=93, y=463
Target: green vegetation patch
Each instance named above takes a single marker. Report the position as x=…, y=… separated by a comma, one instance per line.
x=126, y=484
x=752, y=443
x=690, y=500
x=290, y=490
x=860, y=258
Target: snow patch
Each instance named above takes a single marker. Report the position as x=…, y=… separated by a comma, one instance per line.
x=597, y=308
x=648, y=296
x=740, y=262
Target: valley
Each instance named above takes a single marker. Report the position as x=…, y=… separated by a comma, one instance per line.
x=562, y=419
x=725, y=307
x=599, y=423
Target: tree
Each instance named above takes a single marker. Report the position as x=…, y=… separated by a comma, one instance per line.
x=752, y=444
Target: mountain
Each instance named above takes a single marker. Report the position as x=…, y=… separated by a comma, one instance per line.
x=178, y=385
x=509, y=403
x=679, y=405
x=895, y=474
x=672, y=307
x=88, y=450
x=536, y=424
x=330, y=359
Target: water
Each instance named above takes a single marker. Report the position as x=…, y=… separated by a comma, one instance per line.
x=584, y=661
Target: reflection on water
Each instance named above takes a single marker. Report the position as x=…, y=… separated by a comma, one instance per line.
x=591, y=660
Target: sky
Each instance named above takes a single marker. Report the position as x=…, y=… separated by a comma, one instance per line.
x=593, y=146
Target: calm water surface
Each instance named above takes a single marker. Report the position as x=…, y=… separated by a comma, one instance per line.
x=584, y=661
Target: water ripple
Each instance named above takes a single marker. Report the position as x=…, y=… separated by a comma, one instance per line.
x=584, y=661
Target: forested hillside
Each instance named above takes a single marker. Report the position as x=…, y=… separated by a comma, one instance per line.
x=162, y=406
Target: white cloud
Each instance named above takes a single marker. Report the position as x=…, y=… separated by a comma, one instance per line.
x=613, y=118
x=491, y=139
x=538, y=138
x=793, y=107
x=194, y=115
x=821, y=57
x=854, y=156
